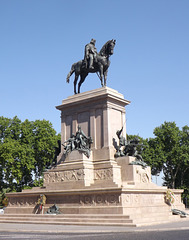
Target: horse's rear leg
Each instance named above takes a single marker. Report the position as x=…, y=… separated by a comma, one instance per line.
x=75, y=82
x=82, y=79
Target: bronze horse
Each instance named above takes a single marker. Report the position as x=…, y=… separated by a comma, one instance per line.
x=100, y=66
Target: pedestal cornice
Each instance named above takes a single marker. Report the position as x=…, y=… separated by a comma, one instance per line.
x=94, y=95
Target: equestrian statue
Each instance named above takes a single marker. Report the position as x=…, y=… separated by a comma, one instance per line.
x=93, y=62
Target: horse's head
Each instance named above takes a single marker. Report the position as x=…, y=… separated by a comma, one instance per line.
x=111, y=46
x=108, y=48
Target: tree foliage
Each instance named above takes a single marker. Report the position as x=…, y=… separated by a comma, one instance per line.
x=26, y=149
x=169, y=152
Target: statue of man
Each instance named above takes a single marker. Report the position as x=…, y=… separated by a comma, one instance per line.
x=132, y=149
x=57, y=151
x=122, y=143
x=80, y=138
x=90, y=54
x=69, y=145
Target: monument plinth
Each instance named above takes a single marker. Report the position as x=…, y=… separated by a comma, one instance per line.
x=100, y=113
x=99, y=183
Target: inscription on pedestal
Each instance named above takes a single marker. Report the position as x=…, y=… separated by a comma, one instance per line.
x=64, y=176
x=143, y=175
x=103, y=174
x=100, y=199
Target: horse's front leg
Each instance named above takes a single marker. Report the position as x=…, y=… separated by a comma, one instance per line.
x=105, y=77
x=101, y=75
x=75, y=83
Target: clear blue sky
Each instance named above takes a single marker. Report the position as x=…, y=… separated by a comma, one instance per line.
x=41, y=39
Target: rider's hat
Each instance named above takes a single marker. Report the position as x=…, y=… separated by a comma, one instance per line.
x=93, y=41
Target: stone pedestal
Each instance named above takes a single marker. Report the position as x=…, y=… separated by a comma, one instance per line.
x=100, y=184
x=76, y=172
x=100, y=113
x=134, y=175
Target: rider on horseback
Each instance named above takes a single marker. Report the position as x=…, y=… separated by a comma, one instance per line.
x=90, y=54
x=100, y=60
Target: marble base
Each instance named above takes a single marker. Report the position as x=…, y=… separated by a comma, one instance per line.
x=100, y=184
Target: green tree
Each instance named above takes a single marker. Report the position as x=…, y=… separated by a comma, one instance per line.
x=45, y=140
x=26, y=149
x=183, y=174
x=169, y=152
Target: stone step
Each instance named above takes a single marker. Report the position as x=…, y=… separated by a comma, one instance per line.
x=151, y=214
x=151, y=218
x=93, y=216
x=71, y=223
x=78, y=220
x=75, y=219
x=155, y=219
x=90, y=216
x=85, y=216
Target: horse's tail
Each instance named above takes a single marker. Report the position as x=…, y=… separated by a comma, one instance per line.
x=70, y=73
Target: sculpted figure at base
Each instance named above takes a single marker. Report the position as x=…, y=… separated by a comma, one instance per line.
x=79, y=142
x=93, y=62
x=57, y=151
x=129, y=148
x=54, y=209
x=122, y=144
x=69, y=145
